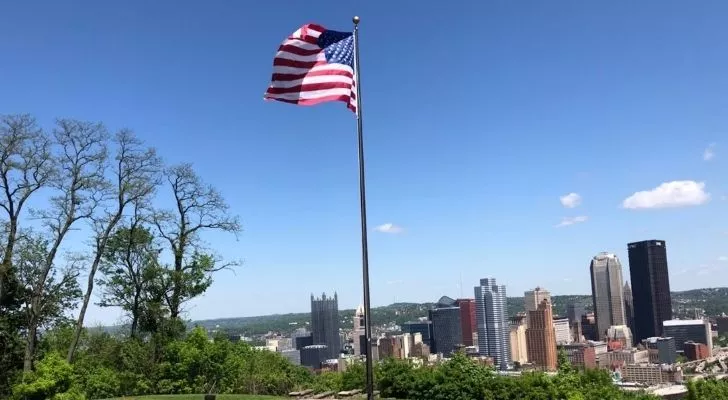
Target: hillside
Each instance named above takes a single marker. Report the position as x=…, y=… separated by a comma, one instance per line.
x=711, y=301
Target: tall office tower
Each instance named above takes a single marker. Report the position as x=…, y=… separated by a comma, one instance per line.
x=446, y=326
x=574, y=311
x=628, y=307
x=467, y=320
x=532, y=299
x=650, y=287
x=517, y=336
x=607, y=294
x=541, y=337
x=358, y=332
x=490, y=316
x=325, y=324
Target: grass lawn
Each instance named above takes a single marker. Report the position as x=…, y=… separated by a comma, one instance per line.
x=201, y=397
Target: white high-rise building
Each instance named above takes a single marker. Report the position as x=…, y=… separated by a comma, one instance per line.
x=563, y=331
x=607, y=292
x=492, y=322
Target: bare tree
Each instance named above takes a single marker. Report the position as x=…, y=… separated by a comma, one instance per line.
x=136, y=176
x=198, y=207
x=25, y=167
x=80, y=187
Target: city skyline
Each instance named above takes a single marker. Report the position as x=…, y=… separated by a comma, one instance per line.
x=451, y=180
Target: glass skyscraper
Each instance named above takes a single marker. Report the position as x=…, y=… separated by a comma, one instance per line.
x=492, y=321
x=446, y=326
x=650, y=287
x=607, y=293
x=325, y=324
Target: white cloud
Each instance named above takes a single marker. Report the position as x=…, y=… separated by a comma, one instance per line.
x=389, y=228
x=567, y=221
x=709, y=152
x=570, y=200
x=723, y=258
x=669, y=194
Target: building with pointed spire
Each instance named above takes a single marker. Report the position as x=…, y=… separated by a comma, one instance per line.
x=358, y=332
x=325, y=324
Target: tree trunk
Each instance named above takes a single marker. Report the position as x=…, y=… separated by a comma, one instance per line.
x=7, y=258
x=82, y=313
x=135, y=314
x=30, y=347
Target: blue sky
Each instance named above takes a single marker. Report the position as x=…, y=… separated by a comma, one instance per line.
x=478, y=117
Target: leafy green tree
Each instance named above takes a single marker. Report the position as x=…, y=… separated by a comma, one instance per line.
x=129, y=269
x=52, y=380
x=47, y=306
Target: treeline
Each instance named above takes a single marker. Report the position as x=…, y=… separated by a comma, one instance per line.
x=79, y=176
x=107, y=367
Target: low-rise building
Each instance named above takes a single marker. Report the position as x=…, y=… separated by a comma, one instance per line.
x=615, y=359
x=581, y=355
x=662, y=350
x=696, y=351
x=651, y=374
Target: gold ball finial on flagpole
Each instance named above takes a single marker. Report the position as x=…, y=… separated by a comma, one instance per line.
x=356, y=20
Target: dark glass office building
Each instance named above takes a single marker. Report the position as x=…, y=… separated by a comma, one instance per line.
x=446, y=326
x=574, y=311
x=325, y=324
x=650, y=287
x=313, y=356
x=422, y=327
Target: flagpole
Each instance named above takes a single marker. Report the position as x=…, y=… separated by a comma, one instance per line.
x=363, y=211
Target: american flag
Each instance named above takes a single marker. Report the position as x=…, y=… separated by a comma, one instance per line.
x=314, y=65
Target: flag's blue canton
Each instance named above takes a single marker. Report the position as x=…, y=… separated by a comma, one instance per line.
x=338, y=47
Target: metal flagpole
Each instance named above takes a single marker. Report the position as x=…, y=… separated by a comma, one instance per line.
x=363, y=210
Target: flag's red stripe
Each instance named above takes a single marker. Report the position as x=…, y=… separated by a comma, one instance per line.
x=284, y=62
x=322, y=72
x=310, y=102
x=289, y=48
x=309, y=87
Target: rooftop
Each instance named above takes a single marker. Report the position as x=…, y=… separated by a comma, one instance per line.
x=683, y=322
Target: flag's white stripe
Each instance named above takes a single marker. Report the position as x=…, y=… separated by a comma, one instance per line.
x=311, y=94
x=295, y=57
x=311, y=80
x=279, y=69
x=311, y=32
x=300, y=43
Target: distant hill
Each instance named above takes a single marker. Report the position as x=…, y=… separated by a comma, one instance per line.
x=710, y=301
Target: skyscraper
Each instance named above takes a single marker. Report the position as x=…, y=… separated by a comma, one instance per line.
x=325, y=324
x=607, y=295
x=574, y=311
x=541, y=337
x=650, y=287
x=358, y=332
x=628, y=307
x=446, y=326
x=533, y=298
x=467, y=320
x=490, y=316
